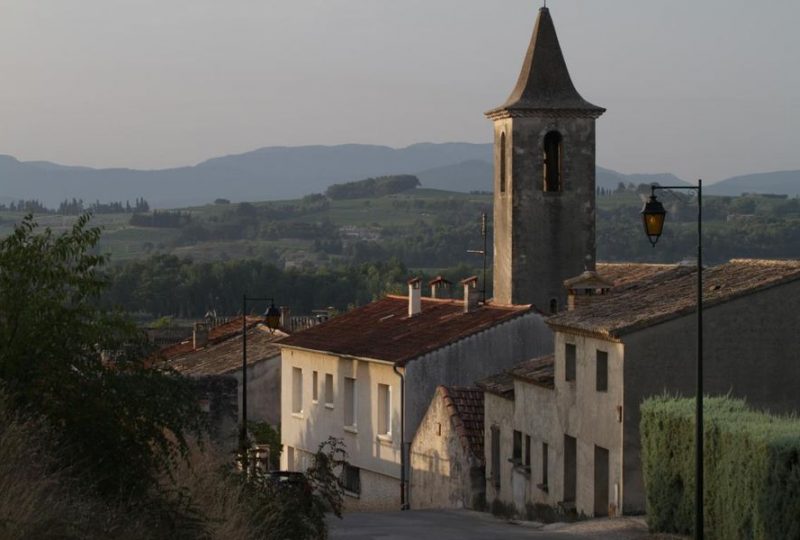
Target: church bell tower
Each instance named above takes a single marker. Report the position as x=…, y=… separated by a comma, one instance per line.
x=544, y=179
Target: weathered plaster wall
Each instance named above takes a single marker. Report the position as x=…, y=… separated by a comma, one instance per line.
x=498, y=412
x=541, y=239
x=751, y=349
x=441, y=470
x=263, y=391
x=572, y=408
x=589, y=416
x=471, y=359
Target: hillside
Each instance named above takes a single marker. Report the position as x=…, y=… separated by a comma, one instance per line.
x=276, y=173
x=780, y=182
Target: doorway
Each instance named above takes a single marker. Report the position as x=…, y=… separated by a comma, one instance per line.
x=601, y=481
x=570, y=468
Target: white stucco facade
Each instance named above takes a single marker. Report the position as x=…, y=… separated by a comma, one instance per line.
x=302, y=431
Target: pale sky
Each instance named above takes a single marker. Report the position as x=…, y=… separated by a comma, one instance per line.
x=705, y=89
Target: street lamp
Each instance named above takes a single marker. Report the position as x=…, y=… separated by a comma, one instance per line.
x=653, y=215
x=272, y=318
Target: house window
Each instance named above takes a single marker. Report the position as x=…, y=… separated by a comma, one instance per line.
x=602, y=371
x=528, y=451
x=569, y=362
x=329, y=390
x=552, y=162
x=496, y=457
x=297, y=390
x=349, y=401
x=351, y=479
x=384, y=409
x=315, y=387
x=543, y=485
x=553, y=306
x=517, y=454
x=502, y=163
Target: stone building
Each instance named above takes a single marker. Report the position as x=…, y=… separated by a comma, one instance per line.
x=367, y=376
x=215, y=354
x=563, y=430
x=544, y=179
x=446, y=456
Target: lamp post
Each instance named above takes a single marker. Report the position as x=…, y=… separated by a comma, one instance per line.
x=272, y=317
x=653, y=216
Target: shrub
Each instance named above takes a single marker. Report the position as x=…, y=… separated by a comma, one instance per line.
x=752, y=469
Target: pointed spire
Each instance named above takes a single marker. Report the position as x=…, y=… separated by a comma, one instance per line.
x=544, y=82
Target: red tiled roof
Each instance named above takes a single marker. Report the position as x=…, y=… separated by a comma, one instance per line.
x=382, y=330
x=539, y=371
x=666, y=295
x=621, y=274
x=465, y=405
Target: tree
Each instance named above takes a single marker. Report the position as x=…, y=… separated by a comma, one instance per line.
x=118, y=422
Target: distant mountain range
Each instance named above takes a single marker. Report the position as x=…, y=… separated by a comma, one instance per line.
x=279, y=172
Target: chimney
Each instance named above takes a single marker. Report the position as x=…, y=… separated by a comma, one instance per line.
x=438, y=286
x=471, y=293
x=199, y=335
x=414, y=297
x=286, y=318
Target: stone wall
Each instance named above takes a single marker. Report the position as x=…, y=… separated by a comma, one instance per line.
x=751, y=349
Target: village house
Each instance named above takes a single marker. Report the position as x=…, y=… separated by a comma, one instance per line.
x=367, y=376
x=563, y=430
x=213, y=358
x=446, y=456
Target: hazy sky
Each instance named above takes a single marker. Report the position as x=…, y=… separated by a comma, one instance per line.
x=700, y=88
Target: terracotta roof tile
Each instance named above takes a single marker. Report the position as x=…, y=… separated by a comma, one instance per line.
x=500, y=384
x=668, y=294
x=223, y=351
x=382, y=330
x=466, y=411
x=225, y=356
x=539, y=371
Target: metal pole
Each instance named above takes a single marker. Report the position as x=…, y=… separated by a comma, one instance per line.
x=483, y=231
x=699, y=521
x=243, y=433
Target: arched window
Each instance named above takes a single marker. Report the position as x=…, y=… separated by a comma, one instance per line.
x=552, y=161
x=502, y=163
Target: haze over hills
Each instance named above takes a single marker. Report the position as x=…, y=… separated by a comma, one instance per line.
x=273, y=173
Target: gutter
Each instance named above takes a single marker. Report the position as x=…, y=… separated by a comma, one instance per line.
x=403, y=482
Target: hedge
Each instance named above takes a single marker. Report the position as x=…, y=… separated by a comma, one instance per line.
x=752, y=469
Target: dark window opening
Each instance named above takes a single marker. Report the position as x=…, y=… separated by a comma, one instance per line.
x=351, y=478
x=496, y=457
x=502, y=163
x=553, y=306
x=569, y=362
x=517, y=455
x=528, y=451
x=543, y=485
x=602, y=371
x=552, y=161
x=570, y=468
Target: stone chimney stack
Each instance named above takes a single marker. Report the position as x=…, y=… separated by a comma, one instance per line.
x=200, y=335
x=414, y=296
x=471, y=293
x=438, y=285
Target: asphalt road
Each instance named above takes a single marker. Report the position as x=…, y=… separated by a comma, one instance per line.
x=469, y=525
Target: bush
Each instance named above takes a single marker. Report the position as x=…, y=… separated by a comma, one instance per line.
x=752, y=469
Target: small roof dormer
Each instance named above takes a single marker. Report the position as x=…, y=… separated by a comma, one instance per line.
x=544, y=82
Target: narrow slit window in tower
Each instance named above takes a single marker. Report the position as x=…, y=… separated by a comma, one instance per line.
x=502, y=163
x=552, y=161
